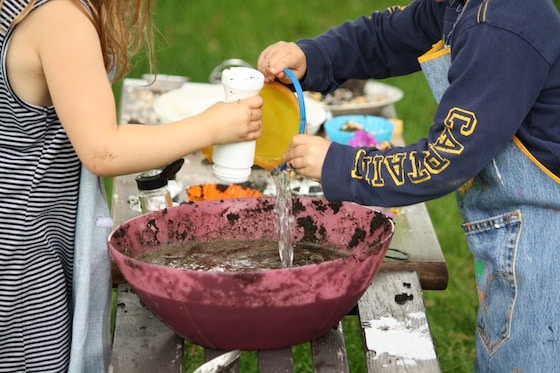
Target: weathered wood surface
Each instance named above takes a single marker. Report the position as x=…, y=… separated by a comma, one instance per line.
x=275, y=361
x=396, y=332
x=395, y=327
x=415, y=235
x=329, y=352
x=142, y=343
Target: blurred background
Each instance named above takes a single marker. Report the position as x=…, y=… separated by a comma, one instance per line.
x=193, y=37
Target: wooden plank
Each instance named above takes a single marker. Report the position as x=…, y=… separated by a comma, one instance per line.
x=329, y=352
x=415, y=235
x=275, y=361
x=141, y=342
x=395, y=326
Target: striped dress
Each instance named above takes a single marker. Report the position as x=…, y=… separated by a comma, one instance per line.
x=39, y=180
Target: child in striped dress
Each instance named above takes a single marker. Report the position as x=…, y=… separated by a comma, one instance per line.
x=58, y=132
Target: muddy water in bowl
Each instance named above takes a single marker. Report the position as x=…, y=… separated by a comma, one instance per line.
x=237, y=255
x=253, y=309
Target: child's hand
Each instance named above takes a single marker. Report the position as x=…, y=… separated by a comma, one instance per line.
x=275, y=58
x=306, y=154
x=235, y=121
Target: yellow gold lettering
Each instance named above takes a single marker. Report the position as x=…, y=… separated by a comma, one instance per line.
x=434, y=162
x=447, y=143
x=418, y=173
x=459, y=122
x=374, y=171
x=461, y=118
x=395, y=165
x=358, y=164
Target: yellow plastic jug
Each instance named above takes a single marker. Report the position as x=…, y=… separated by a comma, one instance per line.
x=281, y=121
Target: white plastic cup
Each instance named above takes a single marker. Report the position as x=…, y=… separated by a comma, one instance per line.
x=232, y=162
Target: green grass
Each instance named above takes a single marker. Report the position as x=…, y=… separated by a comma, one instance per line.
x=195, y=36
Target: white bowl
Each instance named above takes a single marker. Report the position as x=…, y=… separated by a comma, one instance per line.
x=376, y=96
x=316, y=114
x=191, y=99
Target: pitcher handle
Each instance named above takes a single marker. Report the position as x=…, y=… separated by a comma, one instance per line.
x=302, y=115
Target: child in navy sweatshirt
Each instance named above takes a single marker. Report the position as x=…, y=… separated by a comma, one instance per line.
x=494, y=68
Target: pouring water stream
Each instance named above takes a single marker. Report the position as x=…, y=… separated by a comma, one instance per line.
x=284, y=217
x=283, y=206
x=283, y=224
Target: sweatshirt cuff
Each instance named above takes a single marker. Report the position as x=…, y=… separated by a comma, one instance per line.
x=319, y=70
x=335, y=174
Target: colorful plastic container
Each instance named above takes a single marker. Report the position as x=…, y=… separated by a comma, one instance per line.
x=378, y=127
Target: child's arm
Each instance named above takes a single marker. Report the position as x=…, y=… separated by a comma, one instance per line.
x=68, y=48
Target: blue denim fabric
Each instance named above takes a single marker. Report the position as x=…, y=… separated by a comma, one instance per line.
x=511, y=211
x=435, y=71
x=512, y=224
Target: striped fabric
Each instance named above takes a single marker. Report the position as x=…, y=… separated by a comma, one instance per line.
x=39, y=178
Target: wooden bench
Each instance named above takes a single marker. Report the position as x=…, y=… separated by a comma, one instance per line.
x=394, y=325
x=392, y=315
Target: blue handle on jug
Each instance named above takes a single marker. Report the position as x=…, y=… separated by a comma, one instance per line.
x=302, y=115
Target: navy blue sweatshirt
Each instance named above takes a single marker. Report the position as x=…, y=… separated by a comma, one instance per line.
x=504, y=84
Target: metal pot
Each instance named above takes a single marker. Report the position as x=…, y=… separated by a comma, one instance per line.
x=256, y=310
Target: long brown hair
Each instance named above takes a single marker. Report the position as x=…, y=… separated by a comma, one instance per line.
x=124, y=28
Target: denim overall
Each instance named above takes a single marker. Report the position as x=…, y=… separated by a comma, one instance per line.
x=511, y=211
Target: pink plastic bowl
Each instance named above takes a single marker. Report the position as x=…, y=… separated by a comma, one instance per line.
x=257, y=310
